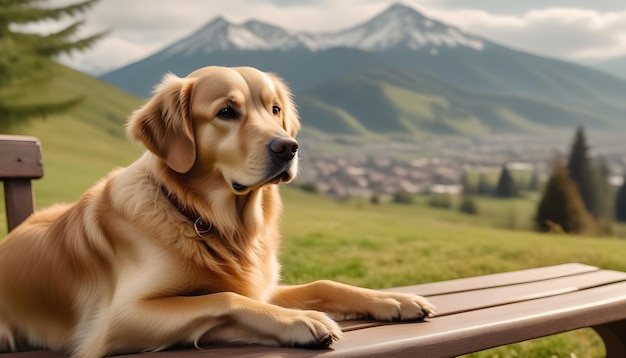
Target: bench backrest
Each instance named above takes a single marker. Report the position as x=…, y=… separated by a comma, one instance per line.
x=20, y=162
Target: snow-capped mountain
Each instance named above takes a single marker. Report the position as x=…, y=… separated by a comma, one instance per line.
x=399, y=26
x=399, y=67
x=221, y=35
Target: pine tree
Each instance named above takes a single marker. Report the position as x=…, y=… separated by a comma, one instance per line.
x=468, y=205
x=533, y=183
x=484, y=187
x=561, y=207
x=620, y=203
x=582, y=172
x=506, y=187
x=440, y=200
x=603, y=201
x=466, y=183
x=26, y=58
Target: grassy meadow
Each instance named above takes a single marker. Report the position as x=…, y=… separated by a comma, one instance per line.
x=354, y=242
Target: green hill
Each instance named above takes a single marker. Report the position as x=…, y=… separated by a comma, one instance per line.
x=82, y=145
x=392, y=101
x=614, y=66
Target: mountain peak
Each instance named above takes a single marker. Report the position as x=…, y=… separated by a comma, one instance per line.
x=404, y=26
x=399, y=9
x=399, y=26
x=217, y=23
x=220, y=34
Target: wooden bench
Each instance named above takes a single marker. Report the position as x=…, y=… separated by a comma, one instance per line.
x=473, y=314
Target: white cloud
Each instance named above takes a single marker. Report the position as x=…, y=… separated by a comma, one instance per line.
x=141, y=27
x=568, y=33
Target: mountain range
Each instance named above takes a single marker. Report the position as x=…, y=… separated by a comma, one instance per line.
x=399, y=73
x=614, y=66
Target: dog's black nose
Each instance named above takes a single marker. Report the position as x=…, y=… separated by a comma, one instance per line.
x=284, y=148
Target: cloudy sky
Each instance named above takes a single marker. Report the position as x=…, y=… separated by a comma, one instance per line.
x=576, y=30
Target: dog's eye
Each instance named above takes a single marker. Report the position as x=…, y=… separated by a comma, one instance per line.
x=228, y=113
x=276, y=110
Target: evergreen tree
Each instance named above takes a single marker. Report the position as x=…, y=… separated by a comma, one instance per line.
x=26, y=58
x=533, y=183
x=484, y=187
x=561, y=206
x=440, y=200
x=620, y=203
x=506, y=187
x=602, y=204
x=468, y=205
x=466, y=183
x=402, y=197
x=581, y=171
x=603, y=201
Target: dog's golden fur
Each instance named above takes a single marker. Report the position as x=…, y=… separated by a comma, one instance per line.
x=124, y=270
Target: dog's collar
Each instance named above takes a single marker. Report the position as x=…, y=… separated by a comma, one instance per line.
x=199, y=224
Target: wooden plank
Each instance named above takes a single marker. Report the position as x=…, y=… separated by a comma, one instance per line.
x=472, y=300
x=20, y=157
x=496, y=296
x=472, y=331
x=495, y=280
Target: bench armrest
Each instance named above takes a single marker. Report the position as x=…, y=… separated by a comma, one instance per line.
x=20, y=162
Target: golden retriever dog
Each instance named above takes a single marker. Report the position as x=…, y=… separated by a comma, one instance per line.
x=180, y=247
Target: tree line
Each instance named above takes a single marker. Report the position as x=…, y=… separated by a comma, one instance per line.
x=577, y=197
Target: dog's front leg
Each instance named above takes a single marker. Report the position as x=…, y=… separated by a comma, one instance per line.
x=342, y=301
x=155, y=324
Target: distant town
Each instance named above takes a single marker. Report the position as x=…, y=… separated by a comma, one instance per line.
x=436, y=165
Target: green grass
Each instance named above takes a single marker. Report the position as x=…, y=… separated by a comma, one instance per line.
x=390, y=245
x=383, y=242
x=513, y=213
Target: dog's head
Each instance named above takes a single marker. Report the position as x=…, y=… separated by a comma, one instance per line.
x=238, y=123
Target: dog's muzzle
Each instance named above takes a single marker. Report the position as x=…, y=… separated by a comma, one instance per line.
x=282, y=150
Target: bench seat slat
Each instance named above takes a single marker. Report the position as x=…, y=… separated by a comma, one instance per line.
x=458, y=302
x=461, y=333
x=489, y=297
x=495, y=280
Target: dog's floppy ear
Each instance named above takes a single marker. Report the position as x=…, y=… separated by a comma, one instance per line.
x=164, y=125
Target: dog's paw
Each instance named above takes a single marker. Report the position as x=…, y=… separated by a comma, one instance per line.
x=392, y=306
x=310, y=329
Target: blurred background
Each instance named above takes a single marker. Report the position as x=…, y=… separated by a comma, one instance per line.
x=441, y=138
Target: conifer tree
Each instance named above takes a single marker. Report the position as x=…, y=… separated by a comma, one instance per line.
x=484, y=187
x=26, y=57
x=561, y=206
x=604, y=197
x=466, y=183
x=533, y=183
x=581, y=171
x=468, y=205
x=506, y=187
x=620, y=203
x=603, y=203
